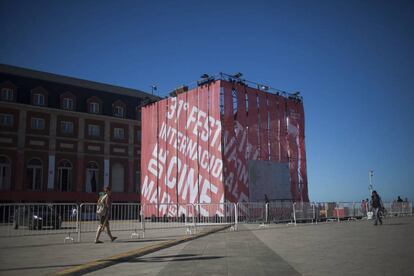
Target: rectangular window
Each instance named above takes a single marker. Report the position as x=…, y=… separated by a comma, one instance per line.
x=66, y=127
x=94, y=107
x=38, y=99
x=94, y=130
x=7, y=94
x=138, y=135
x=119, y=111
x=68, y=103
x=38, y=123
x=119, y=133
x=6, y=119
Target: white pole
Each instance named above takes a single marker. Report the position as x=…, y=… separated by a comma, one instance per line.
x=370, y=174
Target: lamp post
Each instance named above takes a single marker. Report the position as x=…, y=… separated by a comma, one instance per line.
x=153, y=88
x=370, y=175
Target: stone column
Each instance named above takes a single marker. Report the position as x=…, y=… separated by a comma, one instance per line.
x=80, y=156
x=131, y=167
x=52, y=152
x=107, y=139
x=21, y=140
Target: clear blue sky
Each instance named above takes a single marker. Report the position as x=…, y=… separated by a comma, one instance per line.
x=353, y=62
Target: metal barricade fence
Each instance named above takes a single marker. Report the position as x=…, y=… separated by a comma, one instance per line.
x=167, y=216
x=398, y=208
x=361, y=209
x=252, y=212
x=28, y=219
x=123, y=217
x=325, y=211
x=215, y=213
x=348, y=210
x=303, y=212
x=280, y=211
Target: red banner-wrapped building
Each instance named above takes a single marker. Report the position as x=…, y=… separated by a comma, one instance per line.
x=223, y=141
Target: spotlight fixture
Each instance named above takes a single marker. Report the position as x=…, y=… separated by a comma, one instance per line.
x=153, y=88
x=205, y=79
x=237, y=75
x=179, y=90
x=263, y=87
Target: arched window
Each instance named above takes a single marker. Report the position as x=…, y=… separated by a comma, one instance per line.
x=8, y=91
x=94, y=105
x=7, y=94
x=5, y=172
x=118, y=109
x=65, y=176
x=92, y=178
x=35, y=174
x=68, y=101
x=118, y=173
x=39, y=96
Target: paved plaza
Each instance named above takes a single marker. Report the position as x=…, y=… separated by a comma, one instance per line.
x=344, y=248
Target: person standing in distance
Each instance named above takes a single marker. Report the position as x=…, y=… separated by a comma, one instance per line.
x=104, y=213
x=376, y=204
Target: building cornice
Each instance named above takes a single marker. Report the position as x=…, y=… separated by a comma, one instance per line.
x=33, y=74
x=56, y=111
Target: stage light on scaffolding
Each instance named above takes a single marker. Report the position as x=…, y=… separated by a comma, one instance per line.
x=263, y=87
x=237, y=75
x=179, y=90
x=153, y=88
x=205, y=79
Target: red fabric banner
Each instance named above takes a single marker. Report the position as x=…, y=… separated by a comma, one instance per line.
x=263, y=125
x=215, y=143
x=242, y=143
x=229, y=145
x=283, y=145
x=149, y=155
x=303, y=180
x=293, y=143
x=274, y=128
x=180, y=113
x=189, y=188
x=252, y=124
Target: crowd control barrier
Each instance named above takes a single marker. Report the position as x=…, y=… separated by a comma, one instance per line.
x=398, y=208
x=28, y=219
x=72, y=220
x=304, y=212
x=123, y=217
x=280, y=211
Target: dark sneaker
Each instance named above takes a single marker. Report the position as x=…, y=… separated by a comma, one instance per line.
x=113, y=238
x=98, y=242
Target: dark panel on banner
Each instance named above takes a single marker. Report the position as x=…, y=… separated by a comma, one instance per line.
x=269, y=178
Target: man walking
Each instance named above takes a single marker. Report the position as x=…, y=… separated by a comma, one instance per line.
x=376, y=204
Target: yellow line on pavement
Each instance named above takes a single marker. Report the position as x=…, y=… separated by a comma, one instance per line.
x=102, y=263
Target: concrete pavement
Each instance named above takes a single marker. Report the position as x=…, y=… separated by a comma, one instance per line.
x=47, y=254
x=345, y=248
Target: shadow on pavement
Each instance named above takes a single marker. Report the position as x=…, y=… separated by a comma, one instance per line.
x=394, y=224
x=175, y=258
x=141, y=240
